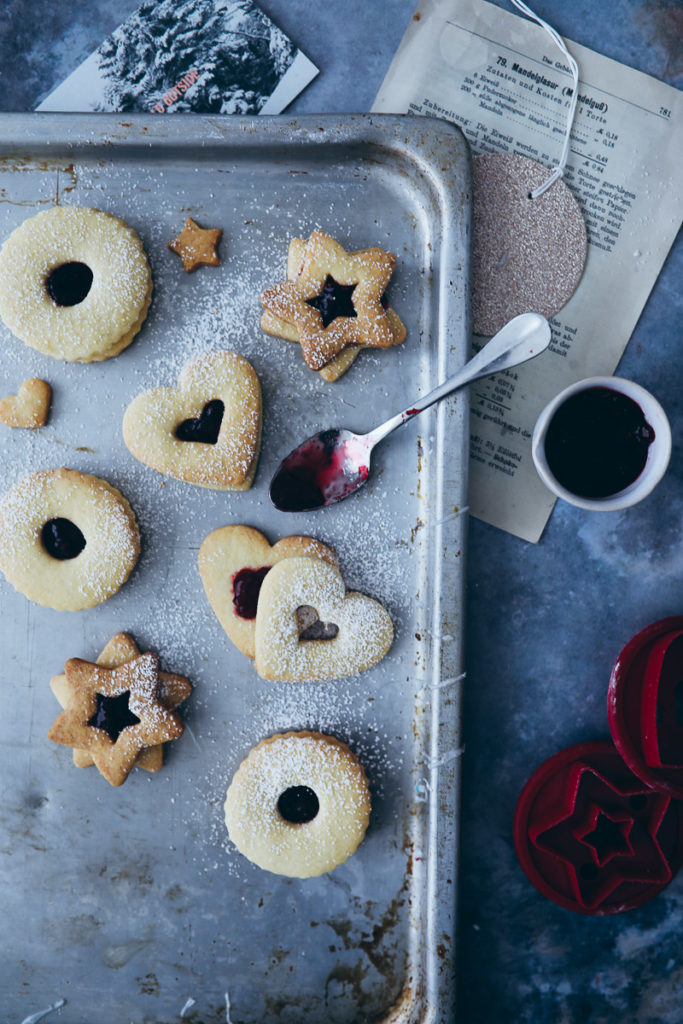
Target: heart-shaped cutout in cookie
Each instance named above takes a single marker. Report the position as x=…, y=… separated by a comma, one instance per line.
x=207, y=431
x=365, y=630
x=311, y=626
x=29, y=408
x=233, y=563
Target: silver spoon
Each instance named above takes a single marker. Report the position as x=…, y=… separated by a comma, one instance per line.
x=334, y=463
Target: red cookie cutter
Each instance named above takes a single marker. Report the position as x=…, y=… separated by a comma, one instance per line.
x=591, y=836
x=645, y=705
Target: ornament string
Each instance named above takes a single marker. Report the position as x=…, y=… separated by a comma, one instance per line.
x=558, y=171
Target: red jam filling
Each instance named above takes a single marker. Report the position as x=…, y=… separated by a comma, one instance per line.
x=246, y=587
x=113, y=715
x=298, y=804
x=334, y=300
x=62, y=539
x=68, y=284
x=206, y=428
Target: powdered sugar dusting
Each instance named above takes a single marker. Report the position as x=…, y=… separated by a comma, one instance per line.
x=381, y=536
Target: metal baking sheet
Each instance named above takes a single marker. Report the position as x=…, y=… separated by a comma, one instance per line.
x=131, y=902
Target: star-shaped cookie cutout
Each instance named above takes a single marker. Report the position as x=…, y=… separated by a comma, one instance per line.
x=114, y=713
x=336, y=300
x=173, y=691
x=197, y=246
x=606, y=835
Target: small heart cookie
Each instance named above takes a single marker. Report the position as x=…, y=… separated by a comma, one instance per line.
x=207, y=431
x=233, y=562
x=29, y=407
x=364, y=628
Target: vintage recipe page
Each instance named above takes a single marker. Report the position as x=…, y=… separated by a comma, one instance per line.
x=501, y=79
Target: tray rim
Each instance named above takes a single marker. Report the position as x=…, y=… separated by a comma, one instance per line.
x=428, y=993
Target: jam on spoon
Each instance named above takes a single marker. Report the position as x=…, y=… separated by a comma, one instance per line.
x=334, y=463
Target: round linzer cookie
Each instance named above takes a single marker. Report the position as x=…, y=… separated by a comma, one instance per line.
x=299, y=804
x=68, y=540
x=233, y=562
x=207, y=431
x=310, y=629
x=74, y=283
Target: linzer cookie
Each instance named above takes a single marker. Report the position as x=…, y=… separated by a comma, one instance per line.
x=207, y=431
x=333, y=301
x=29, y=408
x=299, y=804
x=309, y=628
x=68, y=540
x=74, y=283
x=233, y=562
x=114, y=713
x=173, y=691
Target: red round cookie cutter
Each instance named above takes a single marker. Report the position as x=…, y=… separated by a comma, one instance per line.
x=591, y=836
x=645, y=705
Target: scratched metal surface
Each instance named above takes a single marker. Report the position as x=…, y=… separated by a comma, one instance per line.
x=129, y=902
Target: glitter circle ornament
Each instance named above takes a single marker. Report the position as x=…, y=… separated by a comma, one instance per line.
x=528, y=253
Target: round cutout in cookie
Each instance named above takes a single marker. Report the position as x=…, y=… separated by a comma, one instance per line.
x=74, y=283
x=68, y=540
x=528, y=254
x=299, y=804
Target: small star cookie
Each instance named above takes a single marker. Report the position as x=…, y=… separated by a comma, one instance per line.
x=114, y=713
x=197, y=246
x=29, y=408
x=173, y=691
x=336, y=300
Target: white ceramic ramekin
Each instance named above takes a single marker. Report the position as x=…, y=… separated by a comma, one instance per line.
x=658, y=454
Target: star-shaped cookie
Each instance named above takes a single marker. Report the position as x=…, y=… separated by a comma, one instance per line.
x=335, y=301
x=197, y=246
x=173, y=691
x=114, y=713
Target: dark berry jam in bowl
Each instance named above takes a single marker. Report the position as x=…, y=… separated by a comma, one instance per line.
x=602, y=444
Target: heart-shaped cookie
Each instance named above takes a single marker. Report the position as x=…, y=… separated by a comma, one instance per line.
x=365, y=630
x=29, y=407
x=233, y=562
x=207, y=431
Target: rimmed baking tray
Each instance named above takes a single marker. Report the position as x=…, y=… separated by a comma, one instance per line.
x=131, y=903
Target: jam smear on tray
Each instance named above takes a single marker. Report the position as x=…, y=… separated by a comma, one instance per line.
x=206, y=427
x=68, y=284
x=113, y=715
x=62, y=539
x=246, y=587
x=298, y=804
x=597, y=442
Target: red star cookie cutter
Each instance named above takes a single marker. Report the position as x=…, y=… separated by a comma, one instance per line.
x=645, y=705
x=591, y=836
